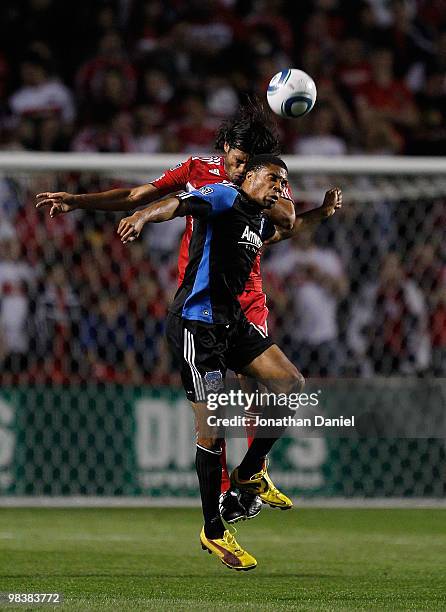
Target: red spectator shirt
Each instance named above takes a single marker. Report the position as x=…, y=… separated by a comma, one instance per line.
x=393, y=97
x=193, y=174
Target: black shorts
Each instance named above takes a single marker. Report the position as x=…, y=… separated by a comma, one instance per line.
x=205, y=351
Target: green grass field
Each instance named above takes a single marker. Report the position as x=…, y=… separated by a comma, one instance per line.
x=150, y=559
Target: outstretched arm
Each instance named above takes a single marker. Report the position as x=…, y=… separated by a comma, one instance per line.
x=282, y=214
x=113, y=200
x=163, y=210
x=171, y=181
x=332, y=202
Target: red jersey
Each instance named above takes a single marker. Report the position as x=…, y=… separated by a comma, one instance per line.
x=193, y=174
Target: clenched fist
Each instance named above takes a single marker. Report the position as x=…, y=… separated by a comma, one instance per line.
x=332, y=201
x=130, y=227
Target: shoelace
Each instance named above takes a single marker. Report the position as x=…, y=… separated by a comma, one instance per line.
x=257, y=476
x=230, y=540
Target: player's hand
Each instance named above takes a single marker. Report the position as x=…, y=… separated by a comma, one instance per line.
x=130, y=228
x=59, y=202
x=332, y=201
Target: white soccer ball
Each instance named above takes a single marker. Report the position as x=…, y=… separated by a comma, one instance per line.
x=291, y=93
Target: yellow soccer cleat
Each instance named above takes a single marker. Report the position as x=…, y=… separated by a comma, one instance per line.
x=256, y=485
x=273, y=497
x=229, y=551
x=261, y=484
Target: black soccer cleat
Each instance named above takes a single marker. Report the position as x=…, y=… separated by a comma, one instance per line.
x=251, y=503
x=231, y=510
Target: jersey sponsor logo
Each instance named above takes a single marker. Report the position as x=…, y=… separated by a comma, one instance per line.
x=250, y=238
x=214, y=171
x=213, y=381
x=206, y=190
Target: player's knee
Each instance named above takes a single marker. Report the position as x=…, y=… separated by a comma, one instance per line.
x=299, y=381
x=212, y=443
x=294, y=381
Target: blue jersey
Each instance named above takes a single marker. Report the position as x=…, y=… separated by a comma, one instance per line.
x=226, y=238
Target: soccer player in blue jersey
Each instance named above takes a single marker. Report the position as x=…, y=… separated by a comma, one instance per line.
x=208, y=332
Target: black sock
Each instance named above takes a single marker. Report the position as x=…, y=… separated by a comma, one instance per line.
x=255, y=456
x=209, y=476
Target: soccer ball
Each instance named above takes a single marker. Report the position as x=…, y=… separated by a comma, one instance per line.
x=291, y=93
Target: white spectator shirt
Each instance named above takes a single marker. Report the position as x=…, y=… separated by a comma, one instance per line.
x=147, y=144
x=315, y=307
x=51, y=96
x=14, y=273
x=320, y=145
x=14, y=304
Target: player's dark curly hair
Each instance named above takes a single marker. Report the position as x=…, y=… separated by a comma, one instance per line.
x=251, y=130
x=265, y=159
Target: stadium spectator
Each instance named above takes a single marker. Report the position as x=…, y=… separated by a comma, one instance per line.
x=437, y=326
x=411, y=41
x=107, y=133
x=221, y=98
x=321, y=139
x=56, y=332
x=385, y=97
x=429, y=138
x=381, y=138
x=196, y=130
x=109, y=68
x=41, y=95
x=367, y=60
x=149, y=22
x=353, y=69
x=147, y=136
x=107, y=337
x=271, y=15
x=317, y=282
x=391, y=316
x=4, y=75
x=42, y=109
x=17, y=280
x=153, y=76
x=429, y=272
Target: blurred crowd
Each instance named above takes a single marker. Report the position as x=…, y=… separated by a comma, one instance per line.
x=158, y=75
x=364, y=295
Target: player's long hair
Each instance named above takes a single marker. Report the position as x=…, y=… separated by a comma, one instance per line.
x=251, y=130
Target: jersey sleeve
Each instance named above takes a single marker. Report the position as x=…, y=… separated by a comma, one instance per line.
x=208, y=201
x=174, y=179
x=268, y=229
x=287, y=192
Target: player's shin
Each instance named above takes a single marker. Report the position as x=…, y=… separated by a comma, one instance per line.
x=225, y=484
x=252, y=411
x=254, y=460
x=207, y=463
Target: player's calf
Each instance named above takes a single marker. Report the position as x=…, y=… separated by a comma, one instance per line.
x=208, y=466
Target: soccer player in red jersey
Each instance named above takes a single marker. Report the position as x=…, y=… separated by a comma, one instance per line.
x=249, y=133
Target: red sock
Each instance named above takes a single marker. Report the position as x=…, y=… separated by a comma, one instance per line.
x=225, y=483
x=250, y=434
